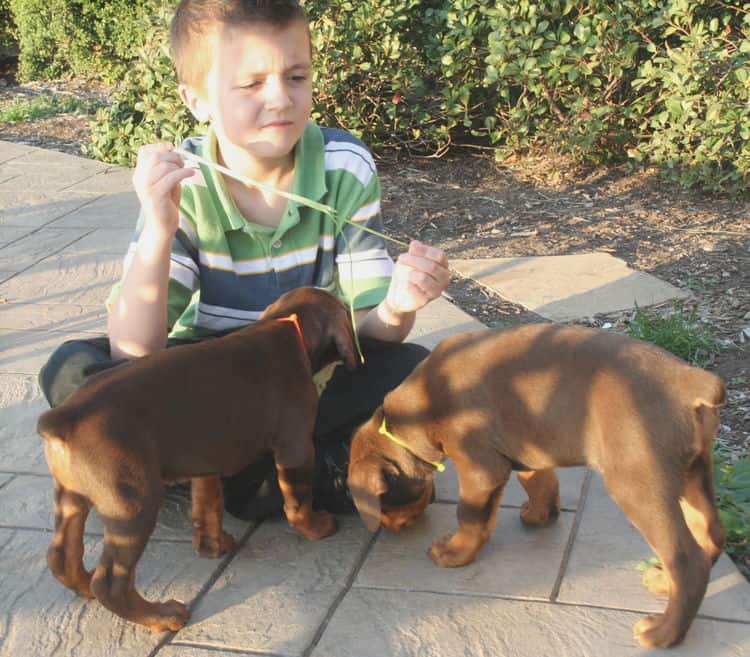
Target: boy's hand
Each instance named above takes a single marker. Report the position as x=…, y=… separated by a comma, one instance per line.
x=157, y=177
x=419, y=276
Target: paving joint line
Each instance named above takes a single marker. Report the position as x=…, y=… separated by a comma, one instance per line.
x=17, y=157
x=540, y=600
x=92, y=534
x=62, y=248
x=585, y=486
x=167, y=640
x=5, y=483
x=224, y=650
x=62, y=216
x=342, y=594
x=563, y=509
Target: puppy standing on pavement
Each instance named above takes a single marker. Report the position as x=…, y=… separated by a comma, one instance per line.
x=195, y=412
x=541, y=396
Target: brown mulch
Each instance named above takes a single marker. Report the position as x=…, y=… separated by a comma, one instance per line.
x=473, y=207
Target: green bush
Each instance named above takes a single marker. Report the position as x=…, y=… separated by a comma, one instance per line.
x=693, y=97
x=146, y=107
x=88, y=38
x=658, y=82
x=643, y=81
x=562, y=72
x=8, y=43
x=401, y=73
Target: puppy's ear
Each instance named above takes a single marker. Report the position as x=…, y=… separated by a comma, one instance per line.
x=366, y=486
x=343, y=338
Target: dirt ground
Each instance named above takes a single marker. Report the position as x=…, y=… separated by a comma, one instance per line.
x=472, y=207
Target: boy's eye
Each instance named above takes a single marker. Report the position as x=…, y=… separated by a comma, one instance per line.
x=299, y=78
x=250, y=85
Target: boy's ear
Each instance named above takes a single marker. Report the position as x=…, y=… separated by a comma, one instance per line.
x=195, y=103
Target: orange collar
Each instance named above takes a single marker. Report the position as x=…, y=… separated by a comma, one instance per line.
x=293, y=319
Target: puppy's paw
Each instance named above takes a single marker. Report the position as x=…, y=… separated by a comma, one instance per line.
x=169, y=616
x=319, y=525
x=449, y=553
x=538, y=515
x=226, y=543
x=655, y=631
x=656, y=580
x=83, y=588
x=213, y=547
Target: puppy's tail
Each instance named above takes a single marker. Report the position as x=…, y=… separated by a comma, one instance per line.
x=54, y=424
x=709, y=394
x=707, y=389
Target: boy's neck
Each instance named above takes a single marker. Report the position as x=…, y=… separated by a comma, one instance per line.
x=258, y=206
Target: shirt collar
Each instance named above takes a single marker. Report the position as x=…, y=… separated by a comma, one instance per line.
x=309, y=181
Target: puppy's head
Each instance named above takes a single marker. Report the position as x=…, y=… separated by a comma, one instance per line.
x=384, y=492
x=325, y=322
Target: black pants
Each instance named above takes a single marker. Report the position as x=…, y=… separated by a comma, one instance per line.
x=348, y=400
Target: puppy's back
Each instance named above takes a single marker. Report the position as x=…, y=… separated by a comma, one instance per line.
x=585, y=392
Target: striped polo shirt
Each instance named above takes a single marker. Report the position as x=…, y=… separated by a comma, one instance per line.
x=225, y=270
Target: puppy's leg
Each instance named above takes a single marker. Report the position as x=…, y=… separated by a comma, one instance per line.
x=701, y=516
x=209, y=539
x=660, y=520
x=113, y=583
x=296, y=487
x=543, y=490
x=480, y=489
x=699, y=506
x=65, y=553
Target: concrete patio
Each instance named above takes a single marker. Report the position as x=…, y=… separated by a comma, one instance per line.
x=568, y=589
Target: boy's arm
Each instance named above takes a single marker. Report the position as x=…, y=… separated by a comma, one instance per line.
x=419, y=276
x=137, y=321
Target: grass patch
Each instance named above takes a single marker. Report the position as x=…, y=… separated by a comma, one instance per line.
x=44, y=106
x=677, y=332
x=732, y=481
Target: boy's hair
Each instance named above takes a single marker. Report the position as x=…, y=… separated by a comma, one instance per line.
x=193, y=20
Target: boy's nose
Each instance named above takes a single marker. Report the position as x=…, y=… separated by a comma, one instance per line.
x=277, y=95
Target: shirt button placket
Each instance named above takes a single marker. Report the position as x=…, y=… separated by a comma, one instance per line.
x=274, y=250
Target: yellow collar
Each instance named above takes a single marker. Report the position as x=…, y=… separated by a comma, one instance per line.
x=440, y=467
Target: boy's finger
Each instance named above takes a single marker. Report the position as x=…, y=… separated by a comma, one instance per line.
x=427, y=265
x=417, y=248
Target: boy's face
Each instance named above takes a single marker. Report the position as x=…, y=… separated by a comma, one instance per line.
x=258, y=91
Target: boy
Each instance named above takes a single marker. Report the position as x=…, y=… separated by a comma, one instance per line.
x=210, y=253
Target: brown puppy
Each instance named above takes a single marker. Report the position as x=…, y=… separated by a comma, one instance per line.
x=539, y=396
x=195, y=412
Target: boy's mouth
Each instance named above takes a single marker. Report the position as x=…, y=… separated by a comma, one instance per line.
x=278, y=124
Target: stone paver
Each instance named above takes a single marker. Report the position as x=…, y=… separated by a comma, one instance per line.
x=604, y=530
x=116, y=210
x=10, y=234
x=40, y=244
x=502, y=568
x=53, y=317
x=567, y=589
x=21, y=402
x=375, y=623
x=277, y=591
x=27, y=504
x=568, y=287
x=42, y=617
x=78, y=278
